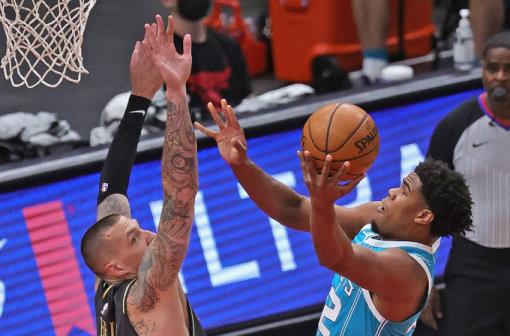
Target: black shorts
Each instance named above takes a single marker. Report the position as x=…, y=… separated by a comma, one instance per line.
x=476, y=300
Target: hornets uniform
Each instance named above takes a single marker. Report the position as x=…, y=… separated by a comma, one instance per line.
x=111, y=313
x=349, y=309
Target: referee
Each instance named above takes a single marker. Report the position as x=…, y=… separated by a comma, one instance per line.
x=474, y=140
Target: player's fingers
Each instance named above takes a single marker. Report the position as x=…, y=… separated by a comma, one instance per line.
x=149, y=35
x=224, y=106
x=205, y=130
x=436, y=306
x=304, y=170
x=152, y=37
x=154, y=40
x=145, y=34
x=433, y=324
x=309, y=165
x=186, y=45
x=326, y=168
x=154, y=30
x=427, y=318
x=230, y=115
x=160, y=29
x=342, y=171
x=214, y=114
x=169, y=34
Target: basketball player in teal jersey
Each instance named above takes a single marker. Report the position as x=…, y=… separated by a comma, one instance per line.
x=382, y=252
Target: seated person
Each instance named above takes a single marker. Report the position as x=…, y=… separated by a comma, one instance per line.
x=219, y=68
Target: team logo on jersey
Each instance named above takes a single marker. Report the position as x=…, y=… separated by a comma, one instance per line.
x=104, y=187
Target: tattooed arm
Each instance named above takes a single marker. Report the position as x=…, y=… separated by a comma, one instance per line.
x=163, y=259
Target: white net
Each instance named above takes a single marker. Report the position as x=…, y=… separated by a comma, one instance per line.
x=44, y=39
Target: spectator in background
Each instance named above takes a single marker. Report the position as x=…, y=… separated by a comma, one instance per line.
x=473, y=139
x=219, y=67
x=487, y=19
x=372, y=19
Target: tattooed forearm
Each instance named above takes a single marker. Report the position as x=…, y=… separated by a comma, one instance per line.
x=179, y=163
x=161, y=263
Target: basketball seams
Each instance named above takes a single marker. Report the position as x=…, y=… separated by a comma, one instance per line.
x=331, y=116
x=352, y=133
x=312, y=140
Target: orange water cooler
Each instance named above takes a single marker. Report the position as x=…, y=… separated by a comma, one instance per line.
x=303, y=30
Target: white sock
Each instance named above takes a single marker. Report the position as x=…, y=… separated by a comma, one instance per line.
x=372, y=67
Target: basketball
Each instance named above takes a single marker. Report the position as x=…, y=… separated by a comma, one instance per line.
x=344, y=131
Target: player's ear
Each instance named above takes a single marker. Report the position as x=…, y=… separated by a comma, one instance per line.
x=112, y=268
x=424, y=217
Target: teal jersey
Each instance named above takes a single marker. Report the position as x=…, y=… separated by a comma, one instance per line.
x=349, y=309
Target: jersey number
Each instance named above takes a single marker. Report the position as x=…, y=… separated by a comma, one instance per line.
x=331, y=313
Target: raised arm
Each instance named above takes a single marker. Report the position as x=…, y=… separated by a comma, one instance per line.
x=276, y=199
x=164, y=256
x=114, y=179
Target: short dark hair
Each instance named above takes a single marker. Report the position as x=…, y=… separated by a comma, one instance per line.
x=499, y=40
x=448, y=197
x=91, y=241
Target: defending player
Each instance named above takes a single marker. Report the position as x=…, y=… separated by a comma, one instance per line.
x=139, y=292
x=381, y=252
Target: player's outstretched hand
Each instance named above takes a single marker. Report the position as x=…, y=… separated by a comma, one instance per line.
x=174, y=67
x=323, y=188
x=145, y=76
x=230, y=136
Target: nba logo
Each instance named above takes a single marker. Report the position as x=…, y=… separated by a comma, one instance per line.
x=104, y=187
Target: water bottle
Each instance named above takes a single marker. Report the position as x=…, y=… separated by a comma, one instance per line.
x=464, y=47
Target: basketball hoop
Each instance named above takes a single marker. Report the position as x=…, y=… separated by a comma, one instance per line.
x=44, y=39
